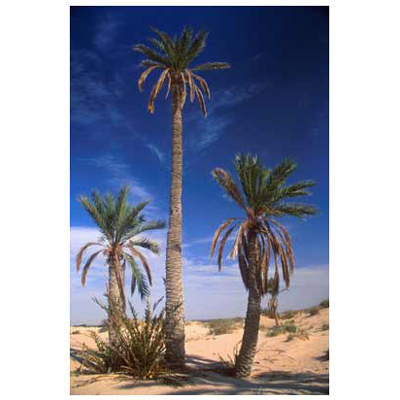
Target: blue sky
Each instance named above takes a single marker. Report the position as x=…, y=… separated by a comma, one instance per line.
x=273, y=102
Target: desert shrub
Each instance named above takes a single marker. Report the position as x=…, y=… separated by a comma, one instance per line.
x=103, y=326
x=102, y=360
x=222, y=326
x=288, y=314
x=300, y=334
x=75, y=332
x=140, y=348
x=325, y=327
x=312, y=311
x=280, y=330
x=324, y=303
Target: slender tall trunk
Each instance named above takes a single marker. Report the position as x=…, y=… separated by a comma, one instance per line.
x=250, y=336
x=114, y=300
x=175, y=313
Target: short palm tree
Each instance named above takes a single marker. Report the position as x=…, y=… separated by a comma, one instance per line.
x=260, y=238
x=172, y=57
x=120, y=225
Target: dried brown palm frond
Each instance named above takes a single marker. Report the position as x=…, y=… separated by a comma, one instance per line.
x=184, y=91
x=218, y=232
x=201, y=100
x=238, y=240
x=222, y=244
x=87, y=266
x=203, y=84
x=144, y=76
x=79, y=256
x=169, y=84
x=191, y=84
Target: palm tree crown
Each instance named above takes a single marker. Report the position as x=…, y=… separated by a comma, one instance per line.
x=120, y=224
x=263, y=198
x=173, y=57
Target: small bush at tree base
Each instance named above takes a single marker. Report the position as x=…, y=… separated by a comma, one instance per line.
x=324, y=303
x=325, y=327
x=140, y=346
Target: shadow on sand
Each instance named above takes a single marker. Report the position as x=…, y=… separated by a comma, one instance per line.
x=202, y=374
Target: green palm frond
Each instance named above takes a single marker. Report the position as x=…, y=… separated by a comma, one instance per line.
x=138, y=278
x=146, y=243
x=227, y=183
x=175, y=55
x=294, y=209
x=120, y=222
x=211, y=66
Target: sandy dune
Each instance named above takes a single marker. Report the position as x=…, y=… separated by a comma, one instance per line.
x=281, y=367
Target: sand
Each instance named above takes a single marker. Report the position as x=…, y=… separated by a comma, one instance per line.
x=280, y=367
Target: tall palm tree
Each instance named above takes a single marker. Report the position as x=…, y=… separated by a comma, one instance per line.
x=259, y=236
x=173, y=58
x=120, y=225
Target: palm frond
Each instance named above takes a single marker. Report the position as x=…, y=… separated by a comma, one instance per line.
x=79, y=256
x=151, y=54
x=201, y=100
x=145, y=264
x=169, y=84
x=218, y=232
x=203, y=84
x=146, y=243
x=222, y=244
x=210, y=66
x=183, y=100
x=294, y=209
x=197, y=46
x=87, y=266
x=191, y=84
x=226, y=182
x=238, y=240
x=144, y=76
x=138, y=278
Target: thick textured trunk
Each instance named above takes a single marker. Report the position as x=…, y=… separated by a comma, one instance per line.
x=114, y=299
x=175, y=313
x=250, y=336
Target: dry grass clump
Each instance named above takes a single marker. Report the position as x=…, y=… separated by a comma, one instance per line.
x=288, y=314
x=76, y=332
x=287, y=327
x=325, y=327
x=222, y=326
x=300, y=334
x=312, y=311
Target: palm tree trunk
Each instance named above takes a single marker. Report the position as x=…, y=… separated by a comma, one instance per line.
x=175, y=313
x=250, y=335
x=114, y=301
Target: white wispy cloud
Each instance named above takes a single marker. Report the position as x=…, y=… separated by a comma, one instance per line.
x=208, y=293
x=106, y=33
x=212, y=128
